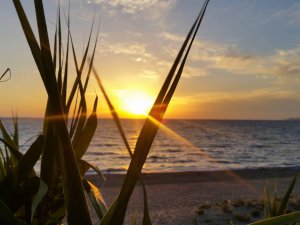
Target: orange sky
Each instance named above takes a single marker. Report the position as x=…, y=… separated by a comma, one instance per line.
x=244, y=63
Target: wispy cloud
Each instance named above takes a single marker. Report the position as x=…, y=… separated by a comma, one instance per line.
x=133, y=6
x=137, y=51
x=206, y=58
x=209, y=55
x=290, y=15
x=150, y=74
x=255, y=95
x=286, y=63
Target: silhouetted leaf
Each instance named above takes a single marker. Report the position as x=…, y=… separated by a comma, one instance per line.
x=7, y=71
x=6, y=216
x=285, y=200
x=95, y=197
x=149, y=130
x=280, y=220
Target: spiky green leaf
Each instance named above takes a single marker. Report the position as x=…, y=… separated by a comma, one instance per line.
x=280, y=220
x=96, y=198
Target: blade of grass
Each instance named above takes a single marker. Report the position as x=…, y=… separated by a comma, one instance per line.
x=9, y=187
x=59, y=75
x=23, y=168
x=50, y=148
x=55, y=48
x=28, y=191
x=75, y=199
x=112, y=111
x=146, y=219
x=96, y=198
x=11, y=145
x=42, y=191
x=91, y=61
x=79, y=71
x=178, y=57
x=77, y=211
x=16, y=131
x=65, y=81
x=280, y=220
x=6, y=135
x=148, y=133
x=80, y=118
x=3, y=163
x=16, y=155
x=86, y=166
x=87, y=133
x=275, y=200
x=32, y=42
x=3, y=75
x=268, y=206
x=285, y=200
x=75, y=117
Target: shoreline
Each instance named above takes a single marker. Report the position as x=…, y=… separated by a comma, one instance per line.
x=115, y=179
x=174, y=198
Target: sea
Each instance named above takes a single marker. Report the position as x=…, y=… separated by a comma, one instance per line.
x=188, y=145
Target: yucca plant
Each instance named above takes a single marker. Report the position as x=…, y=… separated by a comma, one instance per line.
x=20, y=189
x=116, y=212
x=67, y=132
x=66, y=137
x=275, y=209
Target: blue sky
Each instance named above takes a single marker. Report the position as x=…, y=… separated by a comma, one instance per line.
x=244, y=63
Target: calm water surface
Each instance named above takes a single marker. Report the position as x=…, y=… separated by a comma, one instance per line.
x=186, y=145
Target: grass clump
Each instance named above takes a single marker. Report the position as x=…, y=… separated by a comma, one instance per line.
x=59, y=190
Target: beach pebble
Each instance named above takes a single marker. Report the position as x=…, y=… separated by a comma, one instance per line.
x=255, y=213
x=242, y=217
x=227, y=209
x=200, y=211
x=238, y=203
x=205, y=206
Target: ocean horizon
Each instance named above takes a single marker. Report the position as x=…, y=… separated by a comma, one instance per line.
x=188, y=144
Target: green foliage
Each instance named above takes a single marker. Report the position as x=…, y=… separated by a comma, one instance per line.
x=20, y=189
x=26, y=198
x=96, y=198
x=280, y=220
x=116, y=213
x=275, y=209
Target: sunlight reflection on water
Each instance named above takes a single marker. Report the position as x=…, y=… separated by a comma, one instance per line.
x=229, y=144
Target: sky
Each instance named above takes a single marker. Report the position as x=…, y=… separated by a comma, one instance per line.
x=244, y=64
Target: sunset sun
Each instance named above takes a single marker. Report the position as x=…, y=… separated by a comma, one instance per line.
x=135, y=102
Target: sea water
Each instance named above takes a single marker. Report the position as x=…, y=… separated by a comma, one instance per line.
x=189, y=145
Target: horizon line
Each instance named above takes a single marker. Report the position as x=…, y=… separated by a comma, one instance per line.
x=207, y=119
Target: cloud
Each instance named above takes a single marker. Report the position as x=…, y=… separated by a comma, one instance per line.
x=150, y=74
x=290, y=14
x=211, y=56
x=137, y=51
x=190, y=72
x=286, y=63
x=134, y=6
x=171, y=37
x=256, y=95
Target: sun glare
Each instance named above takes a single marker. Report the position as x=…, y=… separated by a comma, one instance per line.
x=135, y=102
